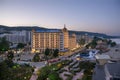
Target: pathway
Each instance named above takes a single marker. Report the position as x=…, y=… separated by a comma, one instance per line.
x=78, y=75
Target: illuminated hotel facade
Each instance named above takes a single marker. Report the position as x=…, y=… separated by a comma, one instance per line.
x=50, y=38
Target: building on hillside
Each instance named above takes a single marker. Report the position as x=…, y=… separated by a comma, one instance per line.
x=26, y=34
x=18, y=36
x=86, y=37
x=15, y=38
x=50, y=38
x=102, y=46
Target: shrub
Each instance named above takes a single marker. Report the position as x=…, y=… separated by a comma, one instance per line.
x=68, y=75
x=44, y=73
x=62, y=70
x=54, y=76
x=36, y=58
x=113, y=44
x=78, y=70
x=71, y=71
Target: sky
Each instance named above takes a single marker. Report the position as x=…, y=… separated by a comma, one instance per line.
x=102, y=16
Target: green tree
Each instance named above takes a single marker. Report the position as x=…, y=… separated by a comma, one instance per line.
x=55, y=53
x=10, y=55
x=92, y=44
x=36, y=58
x=44, y=73
x=113, y=44
x=81, y=41
x=54, y=76
x=14, y=72
x=97, y=38
x=4, y=45
x=109, y=42
x=20, y=45
x=47, y=51
x=4, y=71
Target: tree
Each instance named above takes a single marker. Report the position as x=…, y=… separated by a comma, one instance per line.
x=4, y=45
x=81, y=41
x=20, y=45
x=14, y=72
x=113, y=44
x=92, y=44
x=109, y=42
x=47, y=51
x=54, y=76
x=10, y=55
x=36, y=58
x=44, y=73
x=55, y=53
x=97, y=38
x=4, y=71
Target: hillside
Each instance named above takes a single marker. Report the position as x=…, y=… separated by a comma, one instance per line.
x=29, y=28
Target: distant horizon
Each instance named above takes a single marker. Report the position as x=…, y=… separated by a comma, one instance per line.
x=59, y=28
x=99, y=16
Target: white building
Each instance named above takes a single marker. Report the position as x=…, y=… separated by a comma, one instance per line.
x=18, y=36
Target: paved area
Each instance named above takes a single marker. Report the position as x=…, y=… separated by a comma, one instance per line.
x=64, y=77
x=34, y=64
x=78, y=75
x=114, y=52
x=99, y=73
x=34, y=77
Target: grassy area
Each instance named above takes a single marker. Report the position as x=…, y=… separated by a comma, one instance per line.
x=52, y=71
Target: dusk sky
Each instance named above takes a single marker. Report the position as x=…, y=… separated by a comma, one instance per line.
x=82, y=15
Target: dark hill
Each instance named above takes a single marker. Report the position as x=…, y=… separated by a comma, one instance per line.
x=29, y=28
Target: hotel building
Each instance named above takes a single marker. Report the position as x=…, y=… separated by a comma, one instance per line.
x=72, y=41
x=50, y=38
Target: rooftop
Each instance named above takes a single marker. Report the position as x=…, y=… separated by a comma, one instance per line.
x=49, y=30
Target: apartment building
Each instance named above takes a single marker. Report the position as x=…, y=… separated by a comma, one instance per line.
x=18, y=36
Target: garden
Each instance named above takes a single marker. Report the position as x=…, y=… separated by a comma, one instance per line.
x=67, y=70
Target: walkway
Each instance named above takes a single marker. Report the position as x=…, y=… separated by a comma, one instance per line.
x=78, y=75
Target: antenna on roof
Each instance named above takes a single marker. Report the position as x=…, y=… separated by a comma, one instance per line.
x=64, y=25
